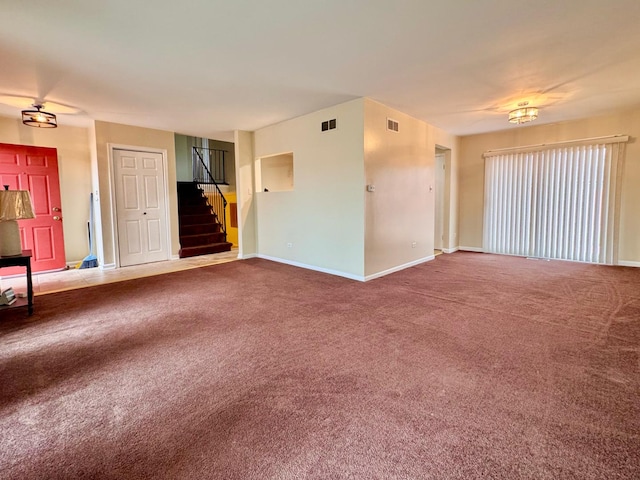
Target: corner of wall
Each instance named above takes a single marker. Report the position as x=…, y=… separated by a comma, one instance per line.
x=244, y=169
x=95, y=190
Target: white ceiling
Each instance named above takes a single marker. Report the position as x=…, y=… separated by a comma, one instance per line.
x=208, y=67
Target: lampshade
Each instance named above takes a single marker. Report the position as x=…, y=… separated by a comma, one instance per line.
x=39, y=118
x=523, y=114
x=14, y=205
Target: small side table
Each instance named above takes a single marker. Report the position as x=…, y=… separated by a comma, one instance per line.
x=23, y=260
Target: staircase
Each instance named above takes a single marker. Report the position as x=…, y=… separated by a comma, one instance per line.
x=200, y=230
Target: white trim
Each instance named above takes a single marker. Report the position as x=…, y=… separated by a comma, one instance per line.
x=450, y=250
x=471, y=249
x=175, y=257
x=312, y=267
x=109, y=266
x=628, y=263
x=592, y=141
x=247, y=256
x=399, y=267
x=112, y=193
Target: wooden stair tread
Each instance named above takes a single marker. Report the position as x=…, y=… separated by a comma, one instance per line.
x=200, y=230
x=205, y=249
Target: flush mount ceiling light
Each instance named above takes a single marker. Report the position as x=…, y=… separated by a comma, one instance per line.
x=523, y=114
x=39, y=118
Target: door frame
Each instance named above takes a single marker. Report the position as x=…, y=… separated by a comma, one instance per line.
x=440, y=198
x=112, y=192
x=449, y=235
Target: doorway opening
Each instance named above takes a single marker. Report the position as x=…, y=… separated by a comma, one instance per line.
x=441, y=204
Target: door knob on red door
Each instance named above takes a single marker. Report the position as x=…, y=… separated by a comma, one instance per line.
x=57, y=218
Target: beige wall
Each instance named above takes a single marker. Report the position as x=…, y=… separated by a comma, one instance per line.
x=74, y=167
x=112, y=133
x=472, y=171
x=323, y=216
x=329, y=219
x=401, y=210
x=244, y=168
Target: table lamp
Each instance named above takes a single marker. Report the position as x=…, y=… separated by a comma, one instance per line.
x=14, y=205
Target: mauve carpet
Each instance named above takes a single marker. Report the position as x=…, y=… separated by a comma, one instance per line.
x=470, y=366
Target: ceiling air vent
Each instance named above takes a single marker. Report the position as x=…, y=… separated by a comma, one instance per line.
x=392, y=125
x=329, y=125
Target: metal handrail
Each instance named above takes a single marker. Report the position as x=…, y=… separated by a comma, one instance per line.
x=214, y=161
x=220, y=202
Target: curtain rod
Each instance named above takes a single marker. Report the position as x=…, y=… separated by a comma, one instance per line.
x=593, y=140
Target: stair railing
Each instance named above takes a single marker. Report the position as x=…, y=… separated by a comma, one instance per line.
x=207, y=183
x=213, y=160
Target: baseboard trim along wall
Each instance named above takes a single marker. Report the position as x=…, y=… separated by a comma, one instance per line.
x=108, y=266
x=350, y=276
x=247, y=256
x=399, y=267
x=627, y=263
x=450, y=250
x=471, y=249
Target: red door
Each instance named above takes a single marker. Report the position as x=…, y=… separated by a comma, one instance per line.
x=36, y=169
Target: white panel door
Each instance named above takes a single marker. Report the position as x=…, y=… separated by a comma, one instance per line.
x=140, y=207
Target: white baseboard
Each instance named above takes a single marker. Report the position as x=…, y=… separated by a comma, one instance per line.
x=311, y=267
x=247, y=256
x=471, y=249
x=350, y=276
x=108, y=266
x=628, y=263
x=398, y=268
x=450, y=250
x=175, y=257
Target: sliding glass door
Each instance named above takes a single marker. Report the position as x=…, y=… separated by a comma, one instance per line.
x=554, y=201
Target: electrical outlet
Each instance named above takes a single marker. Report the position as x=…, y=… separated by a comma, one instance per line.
x=289, y=245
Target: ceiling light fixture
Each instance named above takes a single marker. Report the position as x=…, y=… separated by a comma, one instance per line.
x=39, y=118
x=523, y=114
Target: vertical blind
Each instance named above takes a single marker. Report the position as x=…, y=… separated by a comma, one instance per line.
x=554, y=201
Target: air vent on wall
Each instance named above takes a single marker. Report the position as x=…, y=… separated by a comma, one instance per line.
x=392, y=125
x=329, y=125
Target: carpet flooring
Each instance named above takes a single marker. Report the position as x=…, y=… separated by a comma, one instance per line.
x=469, y=366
